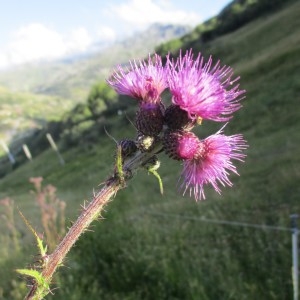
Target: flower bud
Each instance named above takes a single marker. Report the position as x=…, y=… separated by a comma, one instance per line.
x=128, y=148
x=153, y=163
x=177, y=118
x=149, y=119
x=146, y=143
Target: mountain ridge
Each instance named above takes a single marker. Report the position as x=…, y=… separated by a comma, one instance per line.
x=58, y=72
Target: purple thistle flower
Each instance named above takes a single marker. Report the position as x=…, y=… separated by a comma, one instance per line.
x=181, y=145
x=202, y=90
x=144, y=81
x=212, y=164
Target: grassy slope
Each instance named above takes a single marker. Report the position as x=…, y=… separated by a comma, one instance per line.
x=20, y=113
x=134, y=254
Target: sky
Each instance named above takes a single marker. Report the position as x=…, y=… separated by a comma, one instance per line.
x=34, y=30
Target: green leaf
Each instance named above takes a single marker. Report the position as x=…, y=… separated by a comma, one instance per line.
x=155, y=173
x=32, y=273
x=42, y=286
x=42, y=249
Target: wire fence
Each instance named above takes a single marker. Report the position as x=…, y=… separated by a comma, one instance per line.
x=293, y=230
x=220, y=222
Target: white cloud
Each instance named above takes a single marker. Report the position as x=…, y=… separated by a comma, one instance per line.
x=79, y=41
x=146, y=12
x=106, y=33
x=3, y=61
x=35, y=42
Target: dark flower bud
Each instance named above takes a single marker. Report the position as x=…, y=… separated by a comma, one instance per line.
x=149, y=119
x=177, y=118
x=128, y=148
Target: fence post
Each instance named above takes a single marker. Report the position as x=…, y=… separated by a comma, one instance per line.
x=295, y=233
x=27, y=152
x=54, y=147
x=9, y=154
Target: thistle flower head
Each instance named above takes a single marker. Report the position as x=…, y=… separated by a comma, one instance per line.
x=144, y=80
x=181, y=145
x=213, y=164
x=202, y=90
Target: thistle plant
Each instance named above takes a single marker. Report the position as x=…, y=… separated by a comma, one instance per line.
x=200, y=91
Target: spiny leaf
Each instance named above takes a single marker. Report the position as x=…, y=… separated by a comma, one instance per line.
x=42, y=286
x=42, y=249
x=33, y=273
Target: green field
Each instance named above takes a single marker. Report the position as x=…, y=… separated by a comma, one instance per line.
x=170, y=247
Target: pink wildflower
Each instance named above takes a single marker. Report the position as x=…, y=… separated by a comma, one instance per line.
x=144, y=81
x=202, y=90
x=181, y=145
x=212, y=164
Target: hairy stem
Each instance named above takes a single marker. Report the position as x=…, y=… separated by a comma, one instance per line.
x=91, y=212
x=88, y=215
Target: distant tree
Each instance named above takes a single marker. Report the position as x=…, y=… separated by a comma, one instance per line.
x=78, y=114
x=101, y=98
x=170, y=46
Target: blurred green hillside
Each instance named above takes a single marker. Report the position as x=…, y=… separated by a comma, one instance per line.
x=22, y=112
x=169, y=247
x=71, y=77
x=30, y=94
